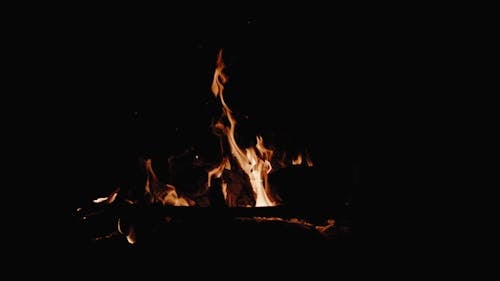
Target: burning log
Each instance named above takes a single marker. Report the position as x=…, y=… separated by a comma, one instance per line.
x=135, y=220
x=139, y=225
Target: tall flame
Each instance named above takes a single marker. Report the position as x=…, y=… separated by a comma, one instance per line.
x=219, y=79
x=254, y=161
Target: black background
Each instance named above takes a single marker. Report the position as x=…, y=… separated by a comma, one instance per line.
x=98, y=90
x=101, y=87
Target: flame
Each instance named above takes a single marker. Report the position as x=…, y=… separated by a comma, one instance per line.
x=254, y=161
x=297, y=160
x=100, y=199
x=131, y=238
x=217, y=171
x=309, y=162
x=108, y=199
x=219, y=79
x=119, y=226
x=163, y=193
x=128, y=231
x=244, y=170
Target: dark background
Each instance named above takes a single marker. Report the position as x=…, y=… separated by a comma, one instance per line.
x=110, y=88
x=99, y=89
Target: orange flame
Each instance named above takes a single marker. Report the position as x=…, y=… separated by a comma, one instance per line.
x=219, y=79
x=297, y=160
x=300, y=159
x=108, y=199
x=129, y=232
x=255, y=165
x=163, y=193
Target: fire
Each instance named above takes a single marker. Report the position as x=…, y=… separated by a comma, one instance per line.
x=163, y=193
x=243, y=171
x=108, y=199
x=243, y=174
x=299, y=160
x=219, y=79
x=129, y=232
x=253, y=161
